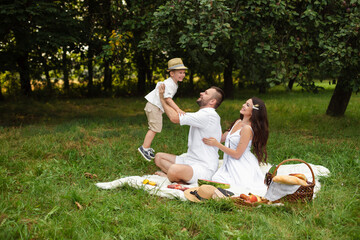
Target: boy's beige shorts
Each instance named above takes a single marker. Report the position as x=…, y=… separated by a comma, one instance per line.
x=154, y=116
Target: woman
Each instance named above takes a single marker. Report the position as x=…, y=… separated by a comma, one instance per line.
x=240, y=166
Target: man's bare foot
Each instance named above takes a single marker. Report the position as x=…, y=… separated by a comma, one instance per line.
x=160, y=173
x=182, y=182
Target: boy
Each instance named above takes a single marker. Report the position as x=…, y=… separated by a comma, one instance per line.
x=154, y=109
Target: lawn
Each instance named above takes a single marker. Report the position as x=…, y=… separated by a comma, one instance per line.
x=47, y=147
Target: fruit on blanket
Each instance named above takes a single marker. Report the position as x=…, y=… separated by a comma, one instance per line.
x=244, y=196
x=178, y=187
x=213, y=183
x=152, y=183
x=253, y=198
x=146, y=181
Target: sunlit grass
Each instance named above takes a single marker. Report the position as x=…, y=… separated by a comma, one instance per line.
x=46, y=147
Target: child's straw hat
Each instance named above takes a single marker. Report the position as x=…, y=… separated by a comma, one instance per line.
x=176, y=64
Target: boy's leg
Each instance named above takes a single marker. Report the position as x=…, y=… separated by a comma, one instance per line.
x=145, y=150
x=149, y=137
x=154, y=116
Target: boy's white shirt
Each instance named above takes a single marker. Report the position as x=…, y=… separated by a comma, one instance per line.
x=170, y=90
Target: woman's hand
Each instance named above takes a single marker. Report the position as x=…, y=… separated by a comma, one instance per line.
x=210, y=141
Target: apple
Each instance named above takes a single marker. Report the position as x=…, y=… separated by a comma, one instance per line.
x=253, y=198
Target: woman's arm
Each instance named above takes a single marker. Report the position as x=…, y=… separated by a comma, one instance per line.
x=246, y=135
x=223, y=136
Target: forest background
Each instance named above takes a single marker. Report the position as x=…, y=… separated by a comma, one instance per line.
x=120, y=48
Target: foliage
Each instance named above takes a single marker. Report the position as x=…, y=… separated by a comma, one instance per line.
x=265, y=43
x=32, y=32
x=192, y=30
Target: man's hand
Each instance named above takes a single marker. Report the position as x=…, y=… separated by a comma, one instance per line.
x=161, y=90
x=181, y=112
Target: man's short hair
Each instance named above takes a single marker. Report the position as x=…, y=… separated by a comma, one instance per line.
x=219, y=96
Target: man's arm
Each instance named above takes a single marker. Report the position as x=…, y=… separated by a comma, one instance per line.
x=170, y=112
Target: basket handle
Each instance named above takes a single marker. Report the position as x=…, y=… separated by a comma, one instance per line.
x=295, y=159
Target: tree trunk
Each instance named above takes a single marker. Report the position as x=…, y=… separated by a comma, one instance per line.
x=1, y=95
x=46, y=71
x=341, y=95
x=191, y=79
x=90, y=86
x=141, y=70
x=107, y=76
x=291, y=83
x=262, y=89
x=90, y=20
x=106, y=11
x=24, y=72
x=147, y=58
x=228, y=80
x=65, y=71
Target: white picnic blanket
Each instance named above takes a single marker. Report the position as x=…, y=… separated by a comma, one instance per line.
x=162, y=190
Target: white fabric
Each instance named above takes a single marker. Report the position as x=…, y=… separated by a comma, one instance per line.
x=137, y=182
x=204, y=123
x=278, y=190
x=244, y=172
x=162, y=182
x=199, y=170
x=170, y=90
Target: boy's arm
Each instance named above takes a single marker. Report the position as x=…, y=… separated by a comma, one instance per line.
x=170, y=112
x=172, y=104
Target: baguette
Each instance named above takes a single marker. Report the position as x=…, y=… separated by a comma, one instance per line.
x=289, y=180
x=299, y=175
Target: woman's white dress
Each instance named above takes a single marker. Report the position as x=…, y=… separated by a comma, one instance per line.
x=244, y=172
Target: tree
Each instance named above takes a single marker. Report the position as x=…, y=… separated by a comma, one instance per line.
x=137, y=17
x=339, y=39
x=192, y=30
x=32, y=30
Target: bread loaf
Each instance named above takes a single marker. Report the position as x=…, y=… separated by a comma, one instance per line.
x=299, y=175
x=289, y=180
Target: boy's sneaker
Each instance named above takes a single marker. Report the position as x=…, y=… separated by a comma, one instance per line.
x=145, y=153
x=152, y=153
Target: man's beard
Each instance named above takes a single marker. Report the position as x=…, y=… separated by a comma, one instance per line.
x=201, y=102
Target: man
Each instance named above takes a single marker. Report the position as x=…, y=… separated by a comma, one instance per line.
x=201, y=160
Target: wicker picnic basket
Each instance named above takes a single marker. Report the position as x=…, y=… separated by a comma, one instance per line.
x=303, y=194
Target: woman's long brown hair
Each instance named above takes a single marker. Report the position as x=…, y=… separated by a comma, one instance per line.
x=260, y=126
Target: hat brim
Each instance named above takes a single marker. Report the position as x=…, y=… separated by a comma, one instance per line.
x=177, y=68
x=191, y=197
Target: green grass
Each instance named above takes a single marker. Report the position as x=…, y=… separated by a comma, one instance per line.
x=46, y=147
